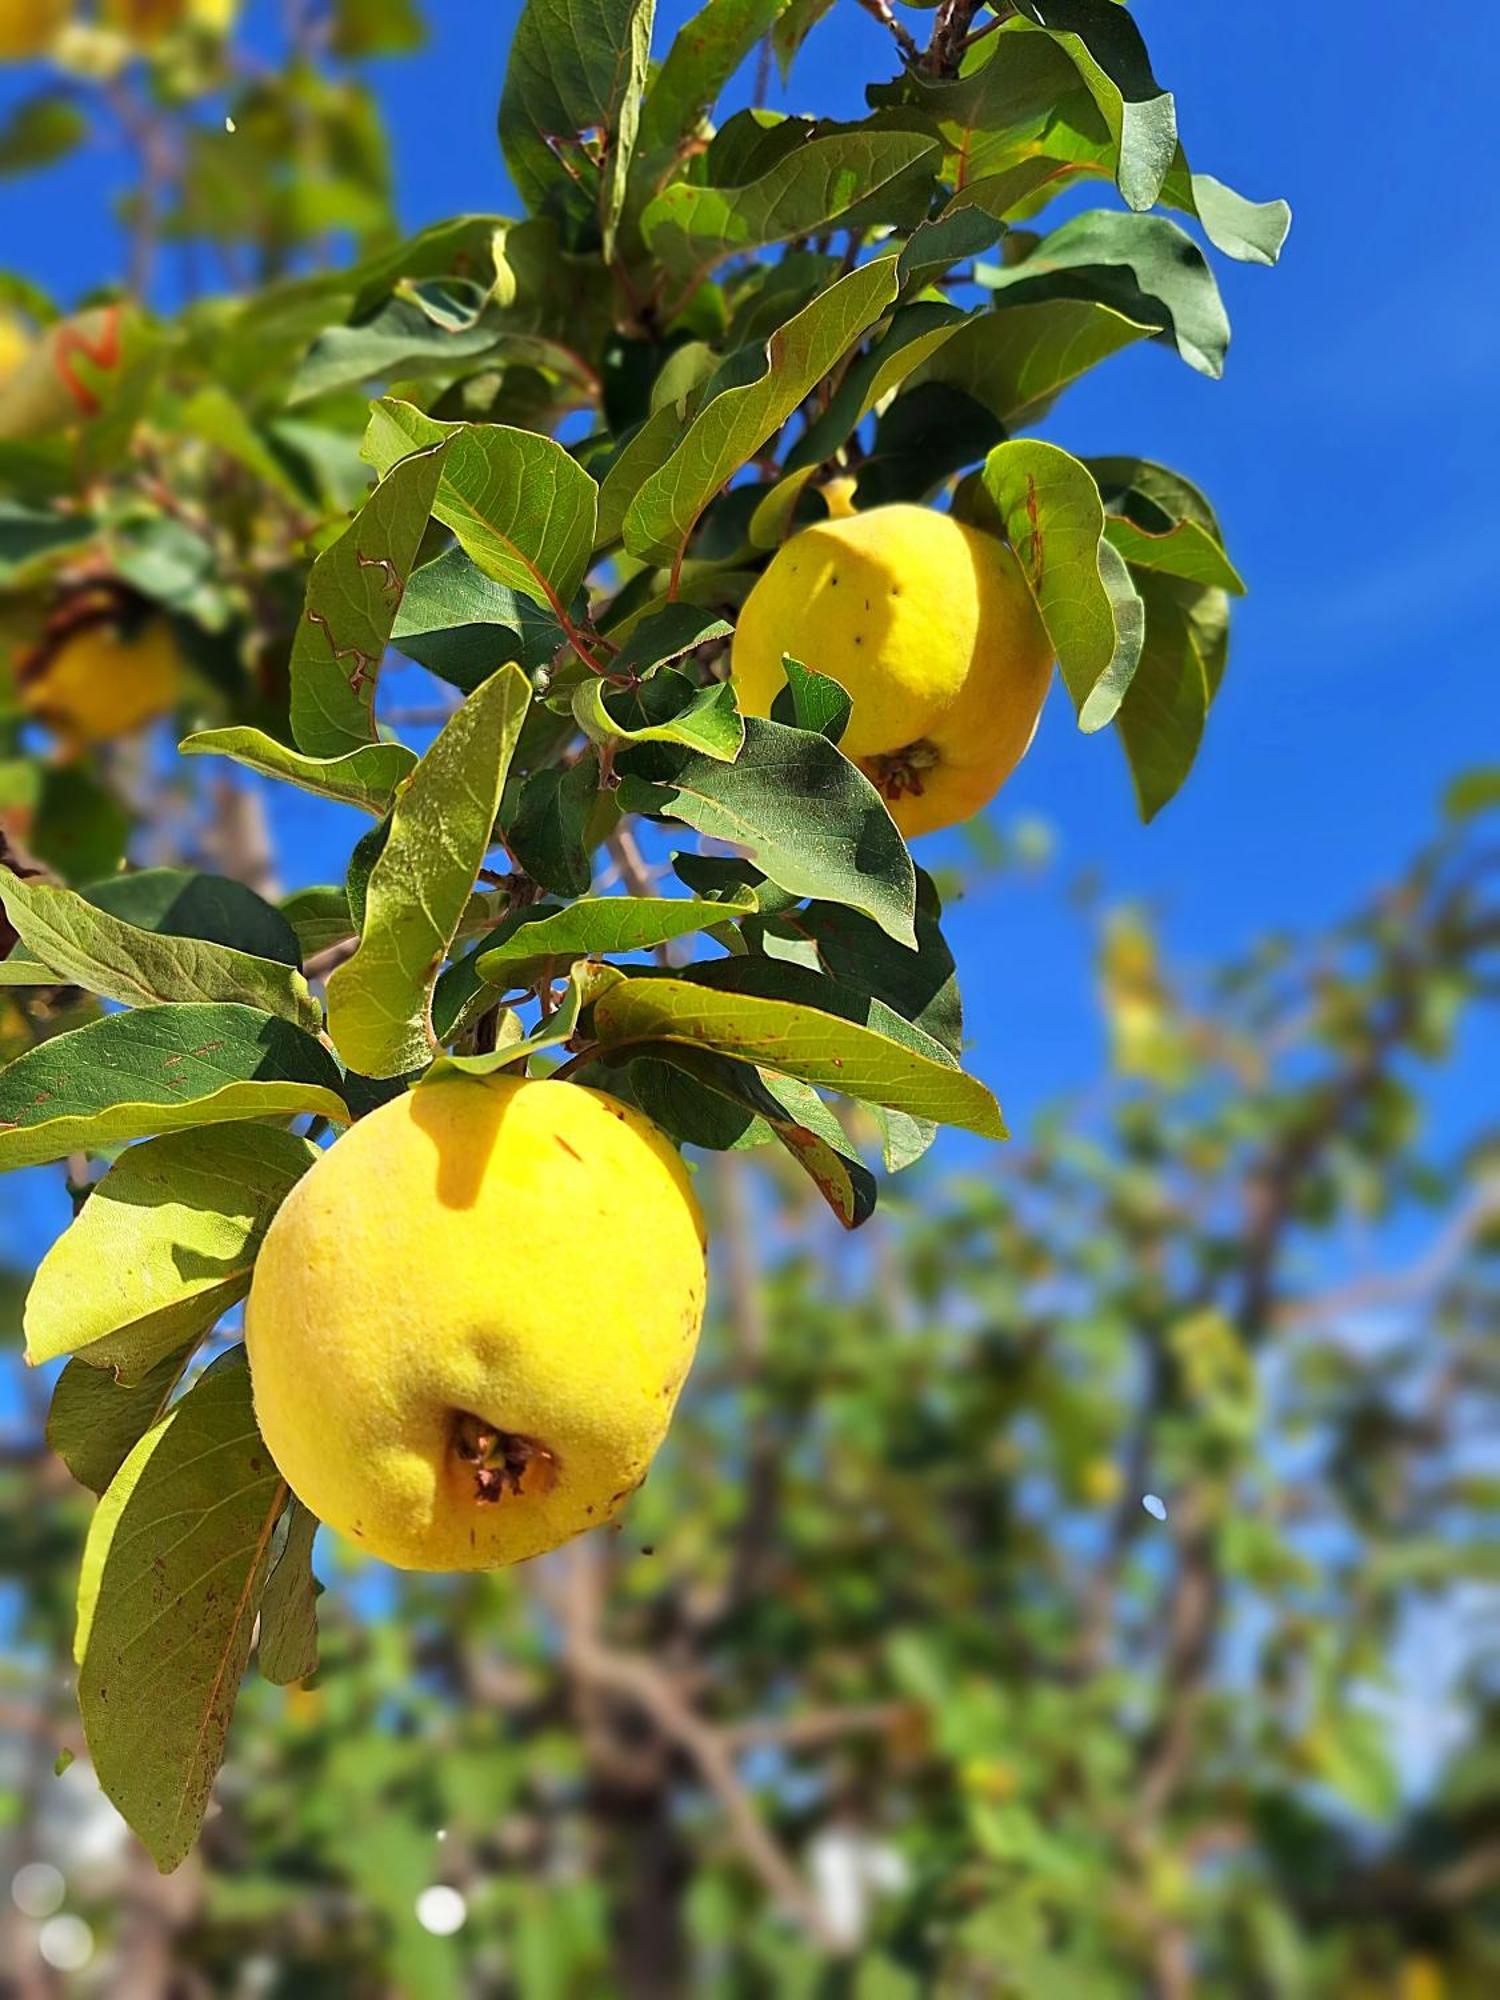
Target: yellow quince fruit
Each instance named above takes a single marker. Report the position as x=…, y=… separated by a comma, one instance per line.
x=931, y=630
x=28, y=28
x=102, y=676
x=469, y=1322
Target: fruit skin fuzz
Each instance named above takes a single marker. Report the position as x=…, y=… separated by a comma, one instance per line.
x=930, y=628
x=470, y=1321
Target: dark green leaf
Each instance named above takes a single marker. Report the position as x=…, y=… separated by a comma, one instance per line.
x=287, y=1644
x=801, y=811
x=811, y=700
x=159, y=1069
x=95, y=1422
x=461, y=624
x=596, y=927
x=547, y=826
x=180, y=903
x=668, y=708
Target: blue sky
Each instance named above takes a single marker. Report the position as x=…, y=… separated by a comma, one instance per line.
x=1349, y=449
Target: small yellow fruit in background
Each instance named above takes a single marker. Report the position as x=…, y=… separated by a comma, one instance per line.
x=15, y=343
x=469, y=1323
x=104, y=680
x=930, y=628
x=28, y=28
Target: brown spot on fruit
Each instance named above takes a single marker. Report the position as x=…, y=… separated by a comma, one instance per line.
x=502, y=1461
x=899, y=772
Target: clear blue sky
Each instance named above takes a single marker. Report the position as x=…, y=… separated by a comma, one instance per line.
x=1350, y=449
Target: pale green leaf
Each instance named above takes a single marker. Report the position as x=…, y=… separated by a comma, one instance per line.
x=163, y=1246
x=379, y=1000
x=1052, y=516
x=91, y=948
x=287, y=1642
x=734, y=425
x=801, y=1038
x=522, y=508
x=366, y=777
x=354, y=591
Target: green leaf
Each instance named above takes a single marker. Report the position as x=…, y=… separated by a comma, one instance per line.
x=1160, y=521
x=586, y=980
x=521, y=506
x=595, y=927
x=27, y=972
x=287, y=1645
x=857, y=175
x=1106, y=48
x=800, y=1120
x=733, y=426
x=39, y=130
x=812, y=701
x=181, y=903
x=571, y=100
x=668, y=708
x=1141, y=266
x=354, y=591
x=425, y=328
x=950, y=239
x=163, y=1247
x=921, y=986
x=1252, y=231
x=793, y=29
x=461, y=624
x=366, y=777
x=1162, y=717
x=1052, y=516
x=547, y=827
x=853, y=1051
x=172, y=1575
x=1018, y=359
x=29, y=535
x=914, y=332
x=703, y=57
x=666, y=635
x=801, y=811
x=379, y=1000
x=160, y=1069
x=95, y=1422
x=79, y=827
x=319, y=917
x=142, y=968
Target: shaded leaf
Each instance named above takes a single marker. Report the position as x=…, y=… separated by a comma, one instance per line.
x=95, y=1422
x=1162, y=717
x=586, y=980
x=668, y=708
x=1141, y=266
x=287, y=1642
x=1017, y=359
x=547, y=827
x=796, y=805
x=461, y=624
x=163, y=1247
x=871, y=176
x=704, y=55
x=181, y=902
x=172, y=1575
x=812, y=700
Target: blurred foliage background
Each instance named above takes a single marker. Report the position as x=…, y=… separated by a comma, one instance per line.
x=1082, y=1584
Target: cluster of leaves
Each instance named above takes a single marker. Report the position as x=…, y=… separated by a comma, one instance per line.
x=715, y=319
x=894, y=1572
